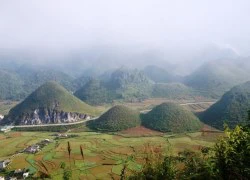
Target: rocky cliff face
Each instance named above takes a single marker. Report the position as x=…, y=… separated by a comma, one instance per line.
x=50, y=116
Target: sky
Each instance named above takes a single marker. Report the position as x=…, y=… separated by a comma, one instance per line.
x=175, y=28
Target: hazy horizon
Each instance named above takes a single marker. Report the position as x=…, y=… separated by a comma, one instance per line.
x=125, y=32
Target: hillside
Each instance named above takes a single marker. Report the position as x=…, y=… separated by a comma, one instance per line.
x=93, y=92
x=19, y=83
x=232, y=108
x=160, y=75
x=79, y=82
x=216, y=77
x=170, y=117
x=173, y=91
x=11, y=86
x=50, y=103
x=33, y=77
x=122, y=84
x=116, y=119
x=130, y=84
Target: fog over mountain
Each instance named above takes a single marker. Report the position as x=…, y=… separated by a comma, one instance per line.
x=177, y=35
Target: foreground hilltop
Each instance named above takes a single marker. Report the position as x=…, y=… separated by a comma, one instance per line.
x=170, y=117
x=50, y=103
x=116, y=119
x=232, y=108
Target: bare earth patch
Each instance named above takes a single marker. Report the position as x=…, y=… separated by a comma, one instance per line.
x=141, y=131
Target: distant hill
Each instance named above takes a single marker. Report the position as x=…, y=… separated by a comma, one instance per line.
x=33, y=77
x=173, y=91
x=116, y=119
x=170, y=117
x=50, y=103
x=232, y=108
x=93, y=92
x=130, y=84
x=205, y=53
x=216, y=77
x=11, y=86
x=121, y=84
x=79, y=82
x=19, y=83
x=160, y=75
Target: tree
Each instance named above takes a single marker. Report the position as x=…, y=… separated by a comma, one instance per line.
x=196, y=165
x=63, y=165
x=81, y=150
x=69, y=152
x=232, y=154
x=67, y=174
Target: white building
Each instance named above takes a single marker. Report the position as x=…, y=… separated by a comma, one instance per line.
x=32, y=149
x=1, y=116
x=2, y=165
x=46, y=140
x=25, y=175
x=1, y=178
x=6, y=128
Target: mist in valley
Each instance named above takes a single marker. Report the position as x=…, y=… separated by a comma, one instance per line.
x=81, y=36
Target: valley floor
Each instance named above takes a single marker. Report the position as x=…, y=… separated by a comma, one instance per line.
x=104, y=154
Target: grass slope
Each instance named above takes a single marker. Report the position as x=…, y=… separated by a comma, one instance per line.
x=232, y=108
x=170, y=117
x=116, y=119
x=52, y=96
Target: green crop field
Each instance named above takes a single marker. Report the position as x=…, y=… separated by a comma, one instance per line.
x=104, y=154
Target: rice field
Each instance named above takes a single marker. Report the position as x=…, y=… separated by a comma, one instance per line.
x=104, y=154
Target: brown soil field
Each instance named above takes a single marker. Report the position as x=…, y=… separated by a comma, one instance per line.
x=15, y=134
x=140, y=131
x=2, y=136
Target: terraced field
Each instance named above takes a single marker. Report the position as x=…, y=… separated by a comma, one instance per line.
x=198, y=107
x=104, y=154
